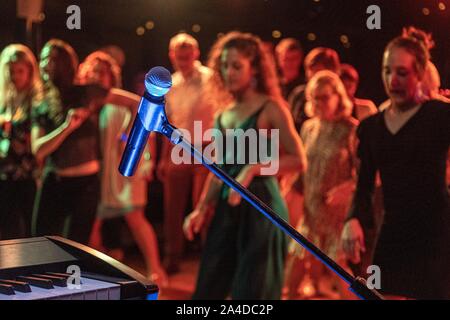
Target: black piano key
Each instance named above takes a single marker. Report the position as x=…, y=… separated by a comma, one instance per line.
x=57, y=281
x=7, y=289
x=60, y=274
x=38, y=282
x=17, y=285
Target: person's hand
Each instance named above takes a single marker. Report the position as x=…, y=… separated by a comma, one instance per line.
x=287, y=182
x=353, y=240
x=146, y=169
x=340, y=195
x=194, y=222
x=245, y=177
x=445, y=92
x=75, y=118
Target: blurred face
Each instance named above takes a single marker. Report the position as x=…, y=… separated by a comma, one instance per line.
x=101, y=74
x=400, y=77
x=350, y=86
x=236, y=71
x=310, y=71
x=20, y=74
x=290, y=61
x=183, y=58
x=325, y=101
x=48, y=64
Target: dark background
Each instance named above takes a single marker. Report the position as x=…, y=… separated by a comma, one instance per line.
x=106, y=22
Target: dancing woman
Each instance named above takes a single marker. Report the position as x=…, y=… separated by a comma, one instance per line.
x=244, y=252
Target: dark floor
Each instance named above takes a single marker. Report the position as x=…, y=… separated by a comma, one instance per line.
x=182, y=284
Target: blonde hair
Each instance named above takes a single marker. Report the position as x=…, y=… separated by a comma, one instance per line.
x=182, y=40
x=321, y=79
x=288, y=44
x=99, y=56
x=19, y=53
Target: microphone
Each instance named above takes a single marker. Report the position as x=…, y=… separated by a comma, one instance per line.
x=151, y=116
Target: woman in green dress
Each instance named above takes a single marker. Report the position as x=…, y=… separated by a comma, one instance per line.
x=244, y=252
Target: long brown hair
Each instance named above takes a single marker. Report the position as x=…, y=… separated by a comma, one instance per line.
x=66, y=62
x=55, y=89
x=99, y=56
x=252, y=48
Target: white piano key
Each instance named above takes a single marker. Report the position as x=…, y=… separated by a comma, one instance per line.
x=114, y=293
x=74, y=296
x=89, y=289
x=90, y=295
x=102, y=295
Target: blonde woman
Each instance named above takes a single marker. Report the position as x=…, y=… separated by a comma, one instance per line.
x=20, y=88
x=329, y=180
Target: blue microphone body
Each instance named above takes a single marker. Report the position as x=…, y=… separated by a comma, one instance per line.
x=150, y=117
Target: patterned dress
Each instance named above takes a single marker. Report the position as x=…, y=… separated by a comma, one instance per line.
x=17, y=169
x=329, y=148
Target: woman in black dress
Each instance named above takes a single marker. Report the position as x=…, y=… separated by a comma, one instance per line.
x=408, y=144
x=65, y=135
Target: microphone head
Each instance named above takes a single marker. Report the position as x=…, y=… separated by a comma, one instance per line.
x=158, y=81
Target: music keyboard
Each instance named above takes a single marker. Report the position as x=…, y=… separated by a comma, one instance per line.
x=90, y=289
x=56, y=268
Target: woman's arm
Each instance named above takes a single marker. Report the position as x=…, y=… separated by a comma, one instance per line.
x=210, y=193
x=43, y=144
x=289, y=148
x=123, y=98
x=342, y=193
x=196, y=219
x=361, y=213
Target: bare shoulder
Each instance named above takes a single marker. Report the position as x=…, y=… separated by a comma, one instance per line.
x=274, y=115
x=276, y=109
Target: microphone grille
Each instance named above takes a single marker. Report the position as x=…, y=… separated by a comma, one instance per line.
x=158, y=81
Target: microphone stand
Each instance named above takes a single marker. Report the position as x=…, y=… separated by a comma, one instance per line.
x=357, y=285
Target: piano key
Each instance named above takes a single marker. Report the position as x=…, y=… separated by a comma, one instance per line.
x=17, y=285
x=90, y=289
x=60, y=274
x=57, y=281
x=37, y=282
x=6, y=289
x=25, y=257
